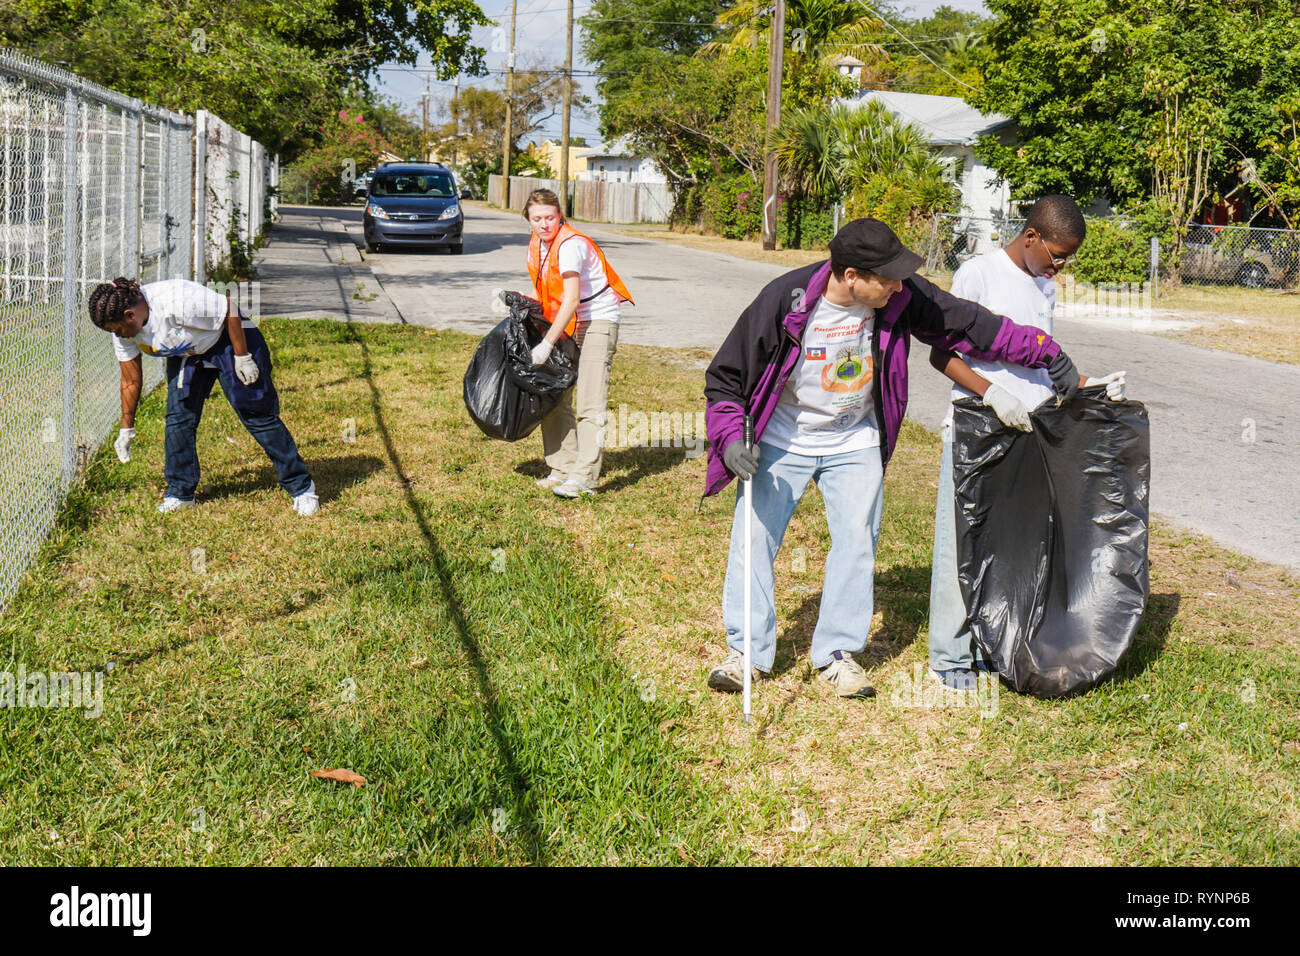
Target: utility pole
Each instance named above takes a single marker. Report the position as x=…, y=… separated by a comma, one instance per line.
x=775, y=67
x=510, y=95
x=564, y=120
x=424, y=125
x=455, y=115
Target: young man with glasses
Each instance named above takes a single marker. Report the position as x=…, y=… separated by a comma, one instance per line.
x=819, y=361
x=1016, y=281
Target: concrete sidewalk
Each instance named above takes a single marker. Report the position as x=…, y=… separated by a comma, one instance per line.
x=312, y=268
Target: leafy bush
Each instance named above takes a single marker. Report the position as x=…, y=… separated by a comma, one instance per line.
x=1113, y=252
x=1119, y=249
x=907, y=201
x=733, y=207
x=803, y=228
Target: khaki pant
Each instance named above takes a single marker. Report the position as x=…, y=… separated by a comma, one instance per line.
x=574, y=448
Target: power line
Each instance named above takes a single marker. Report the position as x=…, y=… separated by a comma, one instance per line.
x=882, y=19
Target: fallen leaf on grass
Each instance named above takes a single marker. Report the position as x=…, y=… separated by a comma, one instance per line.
x=341, y=775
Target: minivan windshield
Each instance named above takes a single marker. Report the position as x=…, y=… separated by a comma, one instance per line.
x=430, y=185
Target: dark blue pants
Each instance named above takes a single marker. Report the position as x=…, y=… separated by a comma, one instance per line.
x=185, y=408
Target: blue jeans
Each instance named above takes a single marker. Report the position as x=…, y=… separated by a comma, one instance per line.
x=181, y=464
x=852, y=488
x=951, y=641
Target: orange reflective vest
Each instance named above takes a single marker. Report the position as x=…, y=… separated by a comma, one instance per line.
x=549, y=284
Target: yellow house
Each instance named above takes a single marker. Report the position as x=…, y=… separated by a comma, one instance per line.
x=548, y=152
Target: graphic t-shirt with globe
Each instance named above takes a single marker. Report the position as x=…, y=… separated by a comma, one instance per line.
x=827, y=407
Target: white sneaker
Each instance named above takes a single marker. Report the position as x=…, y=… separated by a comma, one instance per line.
x=307, y=503
x=847, y=676
x=170, y=504
x=573, y=489
x=550, y=481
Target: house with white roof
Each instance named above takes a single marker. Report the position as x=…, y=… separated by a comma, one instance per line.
x=952, y=126
x=619, y=164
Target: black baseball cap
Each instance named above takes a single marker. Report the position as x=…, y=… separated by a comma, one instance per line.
x=868, y=244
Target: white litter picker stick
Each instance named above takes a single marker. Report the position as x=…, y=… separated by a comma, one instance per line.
x=749, y=564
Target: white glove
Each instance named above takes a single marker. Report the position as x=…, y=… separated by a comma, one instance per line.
x=1114, y=383
x=1007, y=407
x=541, y=352
x=123, y=444
x=246, y=369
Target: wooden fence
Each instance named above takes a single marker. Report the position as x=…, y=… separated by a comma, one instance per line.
x=594, y=201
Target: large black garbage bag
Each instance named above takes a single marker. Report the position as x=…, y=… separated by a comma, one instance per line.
x=504, y=393
x=1052, y=537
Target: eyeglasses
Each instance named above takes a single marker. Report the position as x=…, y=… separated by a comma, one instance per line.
x=1057, y=262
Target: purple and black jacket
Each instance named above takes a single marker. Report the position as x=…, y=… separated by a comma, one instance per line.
x=752, y=366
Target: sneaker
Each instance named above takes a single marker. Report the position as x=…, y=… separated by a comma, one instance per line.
x=170, y=504
x=307, y=503
x=573, y=489
x=550, y=481
x=847, y=676
x=730, y=674
x=957, y=678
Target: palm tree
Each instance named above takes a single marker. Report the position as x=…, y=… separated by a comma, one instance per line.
x=830, y=154
x=818, y=31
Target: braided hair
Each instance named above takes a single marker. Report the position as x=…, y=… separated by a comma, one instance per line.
x=111, y=299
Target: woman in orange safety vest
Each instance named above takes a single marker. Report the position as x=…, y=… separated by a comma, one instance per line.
x=580, y=294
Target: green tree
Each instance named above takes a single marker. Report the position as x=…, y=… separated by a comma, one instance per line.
x=1135, y=101
x=347, y=142
x=274, y=68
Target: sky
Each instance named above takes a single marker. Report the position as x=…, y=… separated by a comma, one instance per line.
x=539, y=34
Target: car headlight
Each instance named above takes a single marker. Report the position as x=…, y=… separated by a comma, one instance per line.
x=376, y=211
x=451, y=212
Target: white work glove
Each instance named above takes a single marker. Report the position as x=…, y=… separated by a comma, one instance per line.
x=541, y=352
x=1114, y=383
x=123, y=444
x=246, y=369
x=1007, y=407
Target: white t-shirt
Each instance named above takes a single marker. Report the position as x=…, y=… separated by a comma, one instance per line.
x=1001, y=286
x=827, y=406
x=576, y=255
x=185, y=318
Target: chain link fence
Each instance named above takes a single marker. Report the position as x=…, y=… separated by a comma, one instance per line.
x=93, y=185
x=1242, y=256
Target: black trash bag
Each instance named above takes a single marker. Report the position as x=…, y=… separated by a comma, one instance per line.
x=1052, y=537
x=559, y=371
x=505, y=396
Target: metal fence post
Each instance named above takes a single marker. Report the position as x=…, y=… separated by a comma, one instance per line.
x=1155, y=267
x=71, y=118
x=200, y=196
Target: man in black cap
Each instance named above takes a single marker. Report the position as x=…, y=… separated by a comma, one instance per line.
x=819, y=361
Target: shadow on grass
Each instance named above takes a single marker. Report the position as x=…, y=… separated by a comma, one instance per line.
x=332, y=476
x=902, y=595
x=495, y=716
x=1149, y=642
x=638, y=462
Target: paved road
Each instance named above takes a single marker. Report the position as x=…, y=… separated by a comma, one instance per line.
x=1225, y=428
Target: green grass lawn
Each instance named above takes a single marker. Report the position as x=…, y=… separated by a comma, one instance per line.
x=521, y=680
